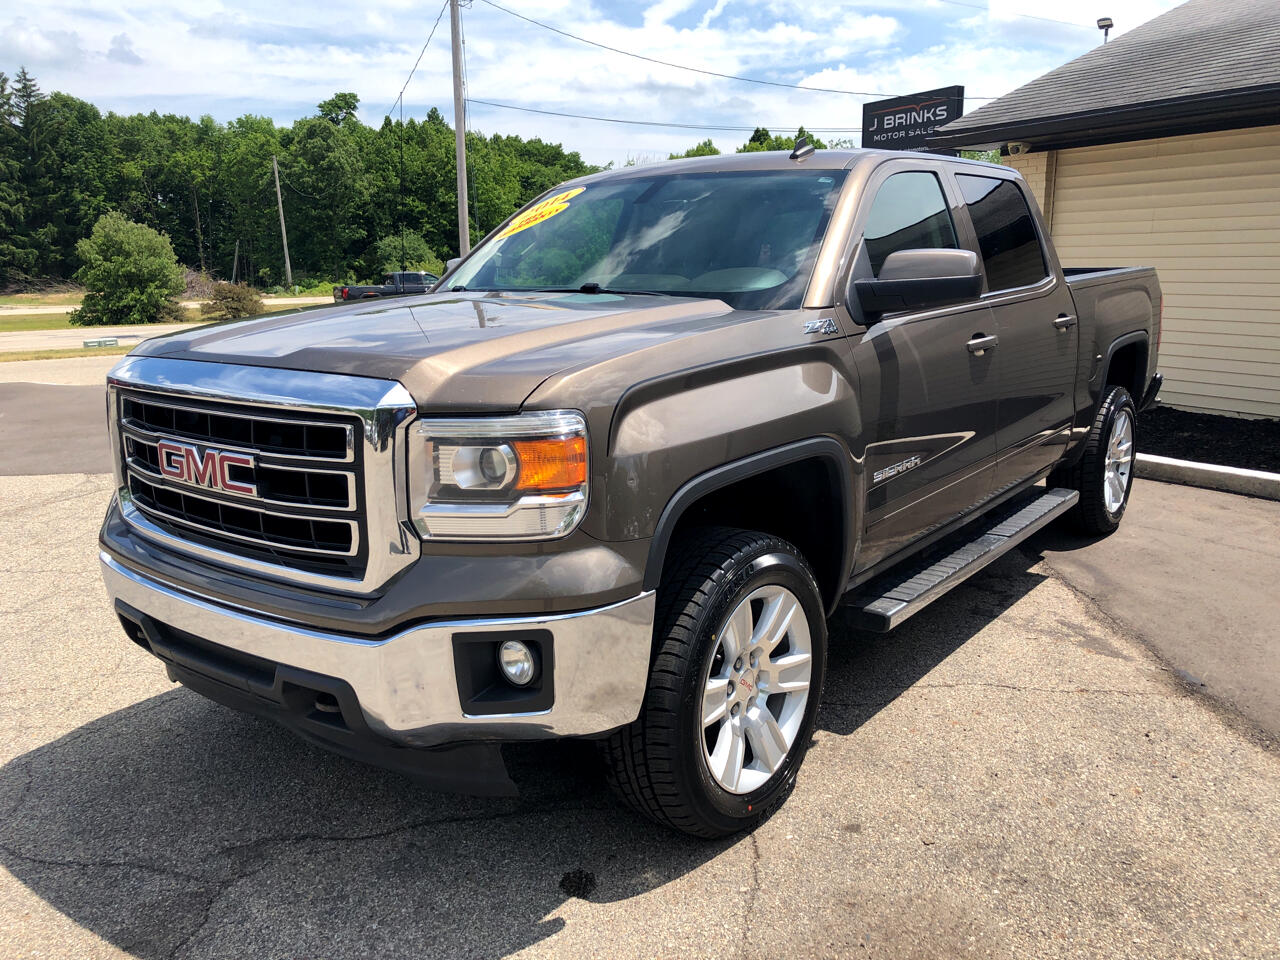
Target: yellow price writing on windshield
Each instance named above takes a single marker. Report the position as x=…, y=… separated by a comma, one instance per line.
x=539, y=212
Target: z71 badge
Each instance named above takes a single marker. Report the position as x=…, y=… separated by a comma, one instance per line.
x=824, y=325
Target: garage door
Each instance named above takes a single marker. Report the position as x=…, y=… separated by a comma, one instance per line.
x=1205, y=211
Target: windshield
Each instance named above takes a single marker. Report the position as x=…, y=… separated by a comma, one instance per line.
x=748, y=238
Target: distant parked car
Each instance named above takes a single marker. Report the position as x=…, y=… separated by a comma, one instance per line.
x=393, y=285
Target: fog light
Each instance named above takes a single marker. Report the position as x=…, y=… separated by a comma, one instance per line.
x=516, y=661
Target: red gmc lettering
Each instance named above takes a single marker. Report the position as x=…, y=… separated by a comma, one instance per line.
x=212, y=469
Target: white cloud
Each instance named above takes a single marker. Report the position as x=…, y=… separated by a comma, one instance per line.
x=233, y=56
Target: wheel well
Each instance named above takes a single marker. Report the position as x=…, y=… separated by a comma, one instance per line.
x=1128, y=368
x=799, y=502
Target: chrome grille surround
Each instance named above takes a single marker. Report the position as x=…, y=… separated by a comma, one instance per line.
x=364, y=482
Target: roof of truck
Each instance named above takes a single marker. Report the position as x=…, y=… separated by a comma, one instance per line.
x=764, y=160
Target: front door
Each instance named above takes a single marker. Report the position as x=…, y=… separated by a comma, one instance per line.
x=928, y=397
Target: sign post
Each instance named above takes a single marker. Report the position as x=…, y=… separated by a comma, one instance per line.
x=904, y=123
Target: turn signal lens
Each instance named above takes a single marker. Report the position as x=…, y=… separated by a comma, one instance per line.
x=557, y=464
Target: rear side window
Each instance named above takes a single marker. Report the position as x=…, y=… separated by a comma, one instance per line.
x=1006, y=232
x=908, y=213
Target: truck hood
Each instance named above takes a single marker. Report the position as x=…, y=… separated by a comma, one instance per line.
x=452, y=350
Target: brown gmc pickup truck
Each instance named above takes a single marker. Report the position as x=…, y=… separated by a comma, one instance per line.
x=612, y=477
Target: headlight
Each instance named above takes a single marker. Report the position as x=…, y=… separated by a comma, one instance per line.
x=499, y=478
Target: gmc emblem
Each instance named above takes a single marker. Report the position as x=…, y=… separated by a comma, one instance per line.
x=212, y=468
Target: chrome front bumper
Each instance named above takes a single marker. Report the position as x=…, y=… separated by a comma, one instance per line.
x=407, y=685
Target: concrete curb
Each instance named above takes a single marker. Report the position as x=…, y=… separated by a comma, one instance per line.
x=1253, y=483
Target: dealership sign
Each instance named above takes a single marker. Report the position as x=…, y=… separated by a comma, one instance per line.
x=904, y=123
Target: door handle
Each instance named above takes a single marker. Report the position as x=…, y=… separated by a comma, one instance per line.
x=979, y=344
x=1064, y=321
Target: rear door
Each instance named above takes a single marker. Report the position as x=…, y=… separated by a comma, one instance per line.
x=1035, y=364
x=929, y=401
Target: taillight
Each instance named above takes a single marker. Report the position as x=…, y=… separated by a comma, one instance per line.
x=344, y=293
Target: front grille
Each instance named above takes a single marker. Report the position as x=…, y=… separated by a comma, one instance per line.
x=295, y=496
x=225, y=428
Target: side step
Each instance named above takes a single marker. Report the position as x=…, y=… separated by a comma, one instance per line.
x=883, y=603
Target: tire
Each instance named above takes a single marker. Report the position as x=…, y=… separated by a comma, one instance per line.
x=665, y=764
x=1104, y=474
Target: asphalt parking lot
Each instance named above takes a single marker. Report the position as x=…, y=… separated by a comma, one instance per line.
x=1031, y=767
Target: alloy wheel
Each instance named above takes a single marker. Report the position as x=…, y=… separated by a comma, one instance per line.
x=1119, y=462
x=756, y=689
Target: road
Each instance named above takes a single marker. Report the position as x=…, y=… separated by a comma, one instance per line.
x=67, y=308
x=1193, y=573
x=67, y=338
x=1013, y=773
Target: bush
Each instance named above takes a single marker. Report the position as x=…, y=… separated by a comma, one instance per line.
x=311, y=288
x=129, y=273
x=385, y=255
x=197, y=285
x=231, y=301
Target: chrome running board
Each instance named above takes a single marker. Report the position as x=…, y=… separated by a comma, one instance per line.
x=886, y=601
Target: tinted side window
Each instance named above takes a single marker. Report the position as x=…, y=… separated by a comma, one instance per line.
x=1006, y=232
x=908, y=213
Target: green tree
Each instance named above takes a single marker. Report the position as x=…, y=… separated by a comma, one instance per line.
x=339, y=108
x=26, y=92
x=208, y=186
x=130, y=275
x=17, y=257
x=763, y=140
x=704, y=149
x=409, y=249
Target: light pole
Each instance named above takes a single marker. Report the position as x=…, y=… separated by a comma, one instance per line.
x=1105, y=24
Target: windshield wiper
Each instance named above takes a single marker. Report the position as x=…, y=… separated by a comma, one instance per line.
x=591, y=288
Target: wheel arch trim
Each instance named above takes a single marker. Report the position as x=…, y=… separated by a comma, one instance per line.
x=826, y=449
x=1120, y=342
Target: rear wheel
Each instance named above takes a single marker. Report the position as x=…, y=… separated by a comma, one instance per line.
x=733, y=690
x=1104, y=474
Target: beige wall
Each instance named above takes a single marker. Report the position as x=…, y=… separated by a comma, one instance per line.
x=1204, y=210
x=1039, y=169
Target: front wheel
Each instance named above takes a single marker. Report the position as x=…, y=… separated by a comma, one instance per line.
x=1104, y=474
x=733, y=689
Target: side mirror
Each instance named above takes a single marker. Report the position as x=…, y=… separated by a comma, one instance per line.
x=919, y=279
x=450, y=264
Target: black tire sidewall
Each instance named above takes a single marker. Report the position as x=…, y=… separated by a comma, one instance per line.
x=776, y=564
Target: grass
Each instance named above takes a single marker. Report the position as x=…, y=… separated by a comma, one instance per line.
x=41, y=300
x=119, y=351
x=11, y=322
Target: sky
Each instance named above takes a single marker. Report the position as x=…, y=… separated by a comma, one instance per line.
x=227, y=58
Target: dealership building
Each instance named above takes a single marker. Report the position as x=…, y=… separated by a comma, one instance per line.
x=1162, y=148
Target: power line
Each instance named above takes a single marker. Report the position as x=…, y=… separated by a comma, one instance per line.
x=400, y=97
x=681, y=66
x=658, y=123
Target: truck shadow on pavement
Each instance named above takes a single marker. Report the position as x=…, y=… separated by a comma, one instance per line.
x=176, y=827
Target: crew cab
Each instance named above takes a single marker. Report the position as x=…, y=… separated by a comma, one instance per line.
x=613, y=476
x=395, y=284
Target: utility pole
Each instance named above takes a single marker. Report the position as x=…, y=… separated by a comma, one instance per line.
x=235, y=261
x=195, y=203
x=284, y=237
x=459, y=130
